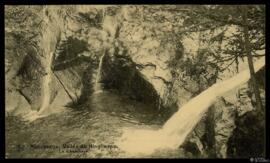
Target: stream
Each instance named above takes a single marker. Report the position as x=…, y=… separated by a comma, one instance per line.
x=86, y=132
x=109, y=125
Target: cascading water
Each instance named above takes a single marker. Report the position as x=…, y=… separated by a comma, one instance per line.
x=98, y=85
x=46, y=86
x=176, y=129
x=45, y=93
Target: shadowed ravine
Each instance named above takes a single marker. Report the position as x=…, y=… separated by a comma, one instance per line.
x=135, y=81
x=94, y=124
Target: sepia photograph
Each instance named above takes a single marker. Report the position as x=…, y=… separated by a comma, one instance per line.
x=135, y=81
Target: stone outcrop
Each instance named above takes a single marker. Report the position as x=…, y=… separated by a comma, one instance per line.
x=141, y=64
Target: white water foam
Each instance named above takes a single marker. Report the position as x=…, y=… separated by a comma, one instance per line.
x=176, y=129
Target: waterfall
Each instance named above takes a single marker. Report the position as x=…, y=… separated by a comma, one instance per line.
x=98, y=85
x=175, y=130
x=46, y=93
x=46, y=86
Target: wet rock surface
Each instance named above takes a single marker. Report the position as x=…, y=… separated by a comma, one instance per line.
x=99, y=123
x=143, y=80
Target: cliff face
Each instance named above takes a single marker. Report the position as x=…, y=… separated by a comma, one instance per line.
x=55, y=52
x=72, y=42
x=49, y=44
x=229, y=124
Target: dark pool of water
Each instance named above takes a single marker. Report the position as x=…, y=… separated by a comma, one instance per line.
x=88, y=132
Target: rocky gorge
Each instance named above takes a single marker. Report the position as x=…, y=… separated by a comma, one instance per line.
x=59, y=57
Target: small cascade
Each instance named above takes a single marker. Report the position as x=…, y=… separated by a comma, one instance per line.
x=46, y=93
x=46, y=85
x=98, y=86
x=176, y=129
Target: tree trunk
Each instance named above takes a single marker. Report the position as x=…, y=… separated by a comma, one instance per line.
x=250, y=61
x=210, y=133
